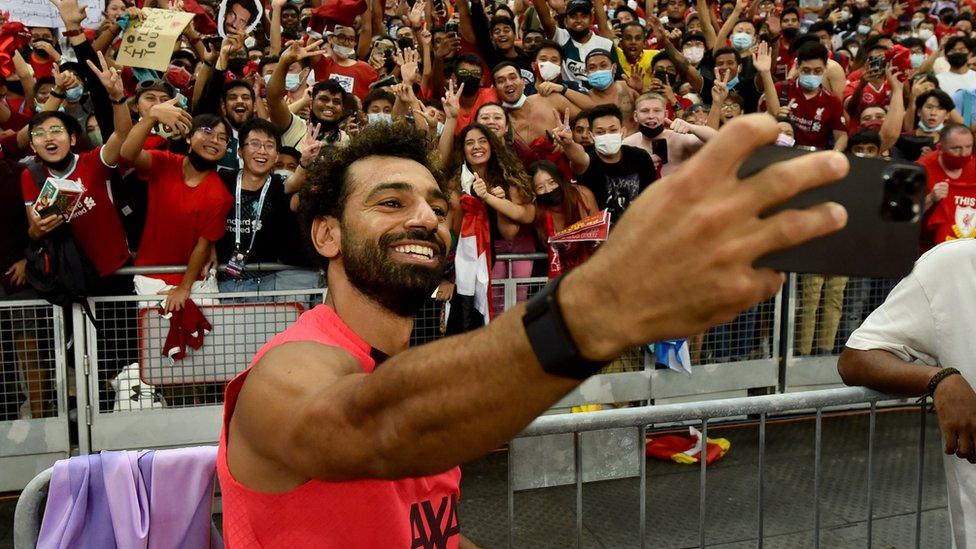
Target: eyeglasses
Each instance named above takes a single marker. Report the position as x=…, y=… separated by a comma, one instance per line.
x=259, y=146
x=730, y=106
x=53, y=131
x=212, y=134
x=345, y=40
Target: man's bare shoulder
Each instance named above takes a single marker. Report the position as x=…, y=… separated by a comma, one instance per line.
x=295, y=365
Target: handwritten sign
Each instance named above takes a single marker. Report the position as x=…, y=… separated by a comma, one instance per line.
x=149, y=44
x=42, y=13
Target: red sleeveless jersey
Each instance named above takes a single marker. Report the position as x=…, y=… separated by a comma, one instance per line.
x=410, y=513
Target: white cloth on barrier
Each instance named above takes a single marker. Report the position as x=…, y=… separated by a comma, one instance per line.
x=146, y=285
x=929, y=316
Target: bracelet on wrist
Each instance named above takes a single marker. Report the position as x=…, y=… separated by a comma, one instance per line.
x=938, y=378
x=72, y=32
x=119, y=101
x=207, y=63
x=58, y=95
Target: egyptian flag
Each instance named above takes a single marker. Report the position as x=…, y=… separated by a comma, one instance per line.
x=472, y=261
x=686, y=449
x=955, y=215
x=336, y=12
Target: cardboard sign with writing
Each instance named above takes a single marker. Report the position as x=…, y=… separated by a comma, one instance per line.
x=149, y=45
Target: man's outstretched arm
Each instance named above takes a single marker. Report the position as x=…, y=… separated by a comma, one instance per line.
x=307, y=408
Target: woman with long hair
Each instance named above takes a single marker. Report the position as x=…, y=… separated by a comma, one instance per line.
x=558, y=203
x=482, y=166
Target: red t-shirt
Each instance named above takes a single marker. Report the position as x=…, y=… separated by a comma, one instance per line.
x=784, y=60
x=943, y=216
x=355, y=78
x=871, y=96
x=179, y=215
x=95, y=224
x=813, y=119
x=466, y=116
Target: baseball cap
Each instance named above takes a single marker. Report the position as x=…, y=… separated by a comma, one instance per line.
x=578, y=5
x=154, y=85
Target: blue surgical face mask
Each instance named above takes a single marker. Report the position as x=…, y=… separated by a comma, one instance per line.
x=440, y=128
x=810, y=82
x=293, y=81
x=924, y=128
x=379, y=118
x=74, y=94
x=732, y=83
x=863, y=29
x=741, y=41
x=600, y=80
x=267, y=79
x=917, y=60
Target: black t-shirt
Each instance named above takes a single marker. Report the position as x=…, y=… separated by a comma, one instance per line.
x=13, y=219
x=909, y=147
x=616, y=185
x=267, y=232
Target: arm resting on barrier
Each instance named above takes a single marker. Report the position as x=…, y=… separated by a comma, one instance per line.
x=954, y=399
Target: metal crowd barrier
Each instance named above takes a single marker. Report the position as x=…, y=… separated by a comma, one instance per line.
x=641, y=421
x=129, y=396
x=34, y=424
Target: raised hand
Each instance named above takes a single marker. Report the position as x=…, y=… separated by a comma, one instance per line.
x=894, y=77
x=447, y=46
x=311, y=146
x=296, y=51
x=562, y=134
x=49, y=50
x=452, y=100
x=71, y=12
x=657, y=28
x=64, y=80
x=678, y=125
x=409, y=61
x=109, y=77
x=773, y=23
x=426, y=38
x=720, y=90
x=636, y=78
x=416, y=16
x=172, y=117
x=762, y=59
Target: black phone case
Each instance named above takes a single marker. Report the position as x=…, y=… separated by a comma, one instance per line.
x=870, y=245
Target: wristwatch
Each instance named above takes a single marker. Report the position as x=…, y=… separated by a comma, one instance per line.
x=551, y=341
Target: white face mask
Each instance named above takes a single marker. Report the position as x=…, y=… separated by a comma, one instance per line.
x=784, y=140
x=608, y=144
x=517, y=104
x=284, y=173
x=694, y=53
x=249, y=42
x=548, y=70
x=925, y=34
x=467, y=178
x=343, y=52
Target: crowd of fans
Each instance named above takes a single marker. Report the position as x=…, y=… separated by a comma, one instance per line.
x=542, y=112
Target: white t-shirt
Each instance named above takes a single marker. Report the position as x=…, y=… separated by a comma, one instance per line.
x=574, y=53
x=930, y=316
x=951, y=82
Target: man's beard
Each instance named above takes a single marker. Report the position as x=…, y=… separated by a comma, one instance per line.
x=400, y=288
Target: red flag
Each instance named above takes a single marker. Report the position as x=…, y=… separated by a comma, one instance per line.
x=472, y=261
x=13, y=36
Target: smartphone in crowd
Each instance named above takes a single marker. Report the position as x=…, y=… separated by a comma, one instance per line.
x=660, y=148
x=451, y=28
x=884, y=201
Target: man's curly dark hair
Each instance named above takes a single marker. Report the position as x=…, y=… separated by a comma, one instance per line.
x=326, y=189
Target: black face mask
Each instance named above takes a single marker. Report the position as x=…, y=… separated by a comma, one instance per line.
x=790, y=33
x=405, y=42
x=650, y=133
x=947, y=19
x=578, y=34
x=552, y=198
x=471, y=85
x=200, y=163
x=957, y=59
